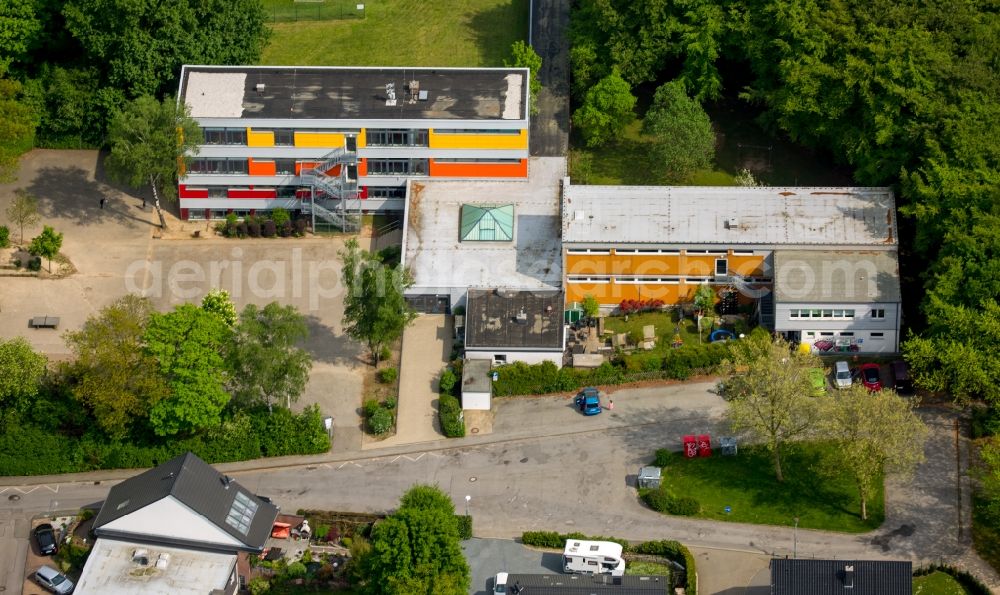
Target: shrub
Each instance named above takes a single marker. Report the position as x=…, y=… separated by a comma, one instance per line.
x=663, y=457
x=4, y=236
x=253, y=229
x=447, y=382
x=258, y=585
x=321, y=532
x=450, y=416
x=295, y=570
x=385, y=354
x=370, y=406
x=268, y=229
x=300, y=226
x=389, y=403
x=972, y=585
x=35, y=263
x=280, y=216
x=464, y=526
x=684, y=506
x=658, y=499
x=285, y=229
x=549, y=539
x=241, y=229
x=985, y=421
x=380, y=421
x=387, y=375
x=634, y=306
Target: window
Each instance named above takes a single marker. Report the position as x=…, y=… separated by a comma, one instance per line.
x=878, y=313
x=283, y=137
x=742, y=252
x=218, y=166
x=196, y=214
x=284, y=167
x=241, y=513
x=699, y=252
x=286, y=191
x=225, y=136
x=597, y=251
x=474, y=160
x=387, y=192
x=721, y=267
x=811, y=313
x=499, y=357
x=391, y=137
x=219, y=213
x=878, y=336
x=218, y=192
x=397, y=167
x=646, y=251
x=826, y=334
x=475, y=131
x=846, y=334
x=241, y=213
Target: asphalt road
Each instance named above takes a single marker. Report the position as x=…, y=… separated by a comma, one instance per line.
x=578, y=479
x=550, y=126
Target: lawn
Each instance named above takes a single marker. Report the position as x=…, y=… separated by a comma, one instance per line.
x=404, y=33
x=647, y=569
x=937, y=583
x=813, y=490
x=665, y=324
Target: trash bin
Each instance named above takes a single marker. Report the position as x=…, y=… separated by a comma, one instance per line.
x=690, y=447
x=649, y=477
x=704, y=445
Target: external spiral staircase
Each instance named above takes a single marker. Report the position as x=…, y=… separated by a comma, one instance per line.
x=335, y=198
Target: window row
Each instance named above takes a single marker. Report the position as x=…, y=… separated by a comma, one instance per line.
x=396, y=167
x=513, y=132
x=657, y=251
x=391, y=137
x=832, y=313
x=218, y=165
x=225, y=136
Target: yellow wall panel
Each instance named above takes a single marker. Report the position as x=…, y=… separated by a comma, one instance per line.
x=362, y=139
x=611, y=294
x=325, y=140
x=437, y=140
x=263, y=138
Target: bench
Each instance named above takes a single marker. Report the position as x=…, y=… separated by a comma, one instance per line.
x=44, y=322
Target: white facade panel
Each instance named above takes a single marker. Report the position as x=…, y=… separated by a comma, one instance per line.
x=509, y=357
x=171, y=519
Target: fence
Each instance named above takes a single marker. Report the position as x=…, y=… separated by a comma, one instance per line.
x=287, y=11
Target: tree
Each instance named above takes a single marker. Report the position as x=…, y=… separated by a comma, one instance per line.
x=591, y=307
x=768, y=393
x=264, y=362
x=187, y=345
x=704, y=300
x=606, y=110
x=416, y=551
x=149, y=140
x=46, y=244
x=958, y=353
x=114, y=377
x=375, y=311
x=875, y=434
x=23, y=210
x=21, y=372
x=523, y=55
x=142, y=44
x=19, y=25
x=683, y=139
x=17, y=127
x=218, y=302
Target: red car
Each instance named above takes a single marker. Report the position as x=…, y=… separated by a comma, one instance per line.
x=870, y=377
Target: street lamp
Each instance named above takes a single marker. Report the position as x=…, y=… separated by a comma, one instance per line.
x=795, y=538
x=467, y=499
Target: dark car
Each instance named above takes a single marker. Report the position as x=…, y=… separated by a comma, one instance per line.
x=589, y=401
x=870, y=377
x=45, y=535
x=901, y=377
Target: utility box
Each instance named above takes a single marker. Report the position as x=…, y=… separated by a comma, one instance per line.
x=690, y=447
x=649, y=477
x=727, y=446
x=704, y=445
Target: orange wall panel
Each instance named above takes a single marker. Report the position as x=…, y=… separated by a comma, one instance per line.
x=262, y=168
x=301, y=165
x=701, y=265
x=363, y=166
x=479, y=170
x=747, y=266
x=611, y=294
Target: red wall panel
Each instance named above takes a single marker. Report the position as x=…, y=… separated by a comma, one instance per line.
x=253, y=193
x=184, y=192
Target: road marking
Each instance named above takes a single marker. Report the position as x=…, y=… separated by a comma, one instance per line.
x=28, y=490
x=346, y=463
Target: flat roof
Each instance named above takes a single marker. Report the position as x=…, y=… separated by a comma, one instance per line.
x=728, y=215
x=110, y=570
x=439, y=260
x=504, y=319
x=849, y=276
x=476, y=376
x=585, y=584
x=336, y=93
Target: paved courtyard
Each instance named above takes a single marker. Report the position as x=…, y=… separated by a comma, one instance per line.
x=115, y=253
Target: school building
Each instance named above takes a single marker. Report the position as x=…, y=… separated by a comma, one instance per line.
x=340, y=141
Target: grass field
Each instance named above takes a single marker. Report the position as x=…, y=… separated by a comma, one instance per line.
x=404, y=33
x=812, y=491
x=647, y=569
x=937, y=583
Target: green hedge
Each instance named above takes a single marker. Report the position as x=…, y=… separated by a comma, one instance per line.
x=519, y=378
x=26, y=449
x=661, y=500
x=973, y=585
x=668, y=548
x=464, y=526
x=450, y=415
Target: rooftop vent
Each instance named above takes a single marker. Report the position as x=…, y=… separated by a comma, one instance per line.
x=141, y=557
x=579, y=215
x=732, y=223
x=849, y=576
x=522, y=317
x=162, y=561
x=413, y=91
x=260, y=88
x=390, y=94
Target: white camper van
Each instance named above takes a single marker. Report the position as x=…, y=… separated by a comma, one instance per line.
x=593, y=557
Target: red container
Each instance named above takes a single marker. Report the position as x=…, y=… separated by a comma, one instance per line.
x=704, y=445
x=690, y=447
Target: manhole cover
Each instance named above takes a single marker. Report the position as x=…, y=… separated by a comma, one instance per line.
x=475, y=430
x=14, y=497
x=473, y=478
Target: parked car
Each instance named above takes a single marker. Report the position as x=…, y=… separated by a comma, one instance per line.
x=901, y=377
x=818, y=379
x=842, y=375
x=589, y=401
x=53, y=580
x=45, y=535
x=870, y=377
